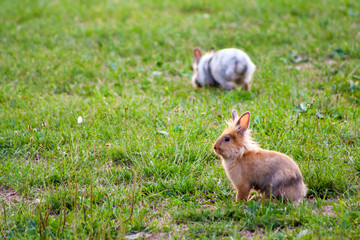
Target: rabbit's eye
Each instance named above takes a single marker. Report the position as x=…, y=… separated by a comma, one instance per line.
x=227, y=139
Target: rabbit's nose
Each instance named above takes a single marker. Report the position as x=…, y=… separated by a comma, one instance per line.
x=214, y=147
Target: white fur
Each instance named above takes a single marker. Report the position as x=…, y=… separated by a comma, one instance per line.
x=229, y=67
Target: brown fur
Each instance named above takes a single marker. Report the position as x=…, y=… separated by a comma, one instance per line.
x=250, y=167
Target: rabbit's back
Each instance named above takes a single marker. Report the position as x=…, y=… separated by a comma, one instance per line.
x=231, y=65
x=277, y=174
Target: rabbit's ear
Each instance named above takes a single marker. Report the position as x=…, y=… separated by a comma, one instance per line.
x=212, y=49
x=197, y=54
x=243, y=123
x=234, y=114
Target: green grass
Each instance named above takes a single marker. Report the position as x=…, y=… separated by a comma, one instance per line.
x=98, y=59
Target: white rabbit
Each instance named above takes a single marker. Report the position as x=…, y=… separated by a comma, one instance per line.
x=225, y=67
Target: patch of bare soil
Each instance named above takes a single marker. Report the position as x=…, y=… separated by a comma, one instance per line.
x=303, y=66
x=160, y=214
x=9, y=195
x=143, y=235
x=160, y=235
x=250, y=235
x=330, y=61
x=328, y=210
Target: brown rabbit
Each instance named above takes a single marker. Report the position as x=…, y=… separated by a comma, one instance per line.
x=249, y=166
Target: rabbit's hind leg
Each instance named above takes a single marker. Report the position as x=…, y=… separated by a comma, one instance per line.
x=248, y=76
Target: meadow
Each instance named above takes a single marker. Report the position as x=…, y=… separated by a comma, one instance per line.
x=140, y=163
